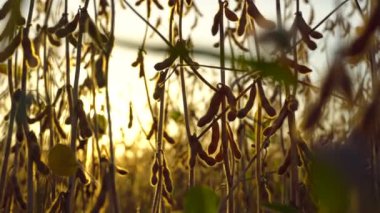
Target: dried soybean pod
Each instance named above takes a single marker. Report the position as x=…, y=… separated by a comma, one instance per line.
x=194, y=148
x=19, y=133
x=42, y=168
x=158, y=89
x=284, y=166
x=168, y=138
x=231, y=102
x=264, y=101
x=99, y=73
x=5, y=9
x=213, y=109
x=166, y=63
x=93, y=31
x=268, y=131
x=248, y=106
x=58, y=95
x=29, y=52
x=242, y=21
x=38, y=117
x=34, y=147
x=219, y=156
x=234, y=147
x=44, y=124
x=62, y=22
x=230, y=15
x=310, y=44
x=305, y=28
x=258, y=17
x=102, y=195
x=11, y=48
x=215, y=135
x=58, y=126
x=292, y=104
x=300, y=68
x=17, y=192
x=73, y=41
x=171, y=3
x=121, y=171
x=207, y=159
x=152, y=130
x=278, y=122
x=229, y=95
x=85, y=129
x=168, y=199
x=167, y=178
x=154, y=169
x=215, y=25
x=53, y=41
x=231, y=115
x=130, y=122
x=303, y=147
x=69, y=28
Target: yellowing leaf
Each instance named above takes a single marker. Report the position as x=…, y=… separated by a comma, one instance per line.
x=201, y=199
x=61, y=160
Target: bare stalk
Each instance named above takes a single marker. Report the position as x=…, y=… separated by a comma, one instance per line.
x=74, y=114
x=224, y=116
x=258, y=160
x=159, y=151
x=184, y=96
x=30, y=187
x=113, y=198
x=8, y=142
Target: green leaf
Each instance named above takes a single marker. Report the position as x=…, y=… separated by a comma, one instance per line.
x=329, y=187
x=278, y=207
x=62, y=161
x=201, y=199
x=101, y=122
x=272, y=70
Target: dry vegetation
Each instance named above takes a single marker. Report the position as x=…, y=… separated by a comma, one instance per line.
x=263, y=138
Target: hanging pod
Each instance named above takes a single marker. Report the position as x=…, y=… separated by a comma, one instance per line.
x=234, y=146
x=213, y=108
x=215, y=136
x=248, y=106
x=11, y=48
x=306, y=32
x=154, y=172
x=217, y=20
x=69, y=28
x=5, y=9
x=264, y=101
x=258, y=17
x=242, y=21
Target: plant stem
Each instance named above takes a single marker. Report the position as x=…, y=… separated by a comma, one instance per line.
x=74, y=113
x=22, y=111
x=8, y=142
x=159, y=151
x=184, y=96
x=224, y=117
x=258, y=161
x=114, y=199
